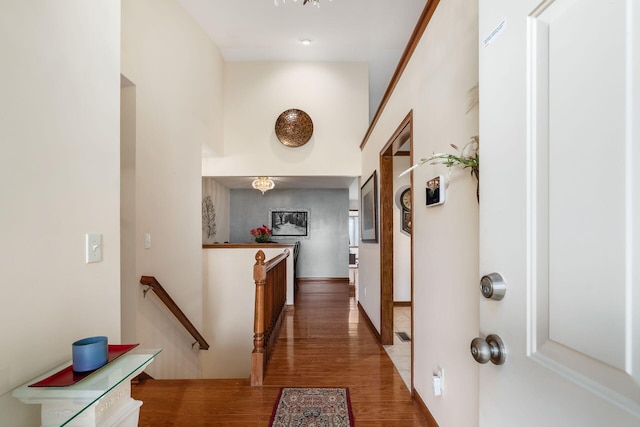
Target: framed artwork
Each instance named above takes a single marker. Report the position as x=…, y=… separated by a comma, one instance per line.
x=289, y=223
x=369, y=210
x=435, y=191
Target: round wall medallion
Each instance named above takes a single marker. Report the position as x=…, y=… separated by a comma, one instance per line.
x=294, y=128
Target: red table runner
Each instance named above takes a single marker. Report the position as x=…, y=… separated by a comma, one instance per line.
x=67, y=376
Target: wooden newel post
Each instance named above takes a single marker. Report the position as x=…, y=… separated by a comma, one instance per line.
x=257, y=356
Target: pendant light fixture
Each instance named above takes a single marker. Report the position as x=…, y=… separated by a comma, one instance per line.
x=263, y=183
x=313, y=2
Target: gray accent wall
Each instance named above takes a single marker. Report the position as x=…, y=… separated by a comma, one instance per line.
x=325, y=253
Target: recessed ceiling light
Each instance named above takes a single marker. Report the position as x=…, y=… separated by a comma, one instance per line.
x=305, y=42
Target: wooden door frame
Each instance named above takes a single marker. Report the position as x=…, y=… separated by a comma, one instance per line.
x=391, y=148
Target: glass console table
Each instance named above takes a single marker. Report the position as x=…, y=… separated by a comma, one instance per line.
x=102, y=398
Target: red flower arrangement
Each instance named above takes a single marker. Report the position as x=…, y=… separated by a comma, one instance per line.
x=261, y=234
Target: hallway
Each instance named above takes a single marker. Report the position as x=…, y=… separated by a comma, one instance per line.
x=400, y=351
x=323, y=343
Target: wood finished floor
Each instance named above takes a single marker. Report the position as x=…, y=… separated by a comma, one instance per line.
x=323, y=343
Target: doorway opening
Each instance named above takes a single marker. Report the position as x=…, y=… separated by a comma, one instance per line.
x=396, y=250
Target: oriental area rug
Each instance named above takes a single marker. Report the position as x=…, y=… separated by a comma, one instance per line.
x=312, y=407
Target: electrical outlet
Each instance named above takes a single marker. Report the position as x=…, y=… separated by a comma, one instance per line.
x=438, y=382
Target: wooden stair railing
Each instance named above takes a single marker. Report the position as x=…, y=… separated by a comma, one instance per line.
x=157, y=288
x=271, y=295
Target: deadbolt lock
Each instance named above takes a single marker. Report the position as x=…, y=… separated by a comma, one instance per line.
x=492, y=286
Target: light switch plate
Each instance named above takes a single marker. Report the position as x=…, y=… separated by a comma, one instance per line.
x=93, y=247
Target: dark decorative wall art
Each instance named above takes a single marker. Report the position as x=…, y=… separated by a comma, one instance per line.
x=208, y=217
x=294, y=128
x=289, y=223
x=369, y=210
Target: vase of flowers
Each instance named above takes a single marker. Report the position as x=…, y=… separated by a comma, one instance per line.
x=261, y=234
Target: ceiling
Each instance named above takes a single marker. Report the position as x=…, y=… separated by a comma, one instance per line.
x=372, y=31
x=293, y=182
x=288, y=182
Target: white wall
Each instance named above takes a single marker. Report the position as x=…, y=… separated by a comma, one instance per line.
x=401, y=239
x=220, y=196
x=177, y=72
x=59, y=179
x=256, y=93
x=435, y=84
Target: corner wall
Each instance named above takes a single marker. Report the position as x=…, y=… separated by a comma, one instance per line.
x=59, y=179
x=229, y=301
x=443, y=68
x=220, y=196
x=177, y=72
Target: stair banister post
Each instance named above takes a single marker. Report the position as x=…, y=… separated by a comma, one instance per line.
x=257, y=356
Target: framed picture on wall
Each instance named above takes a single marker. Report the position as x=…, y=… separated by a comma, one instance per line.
x=369, y=210
x=289, y=223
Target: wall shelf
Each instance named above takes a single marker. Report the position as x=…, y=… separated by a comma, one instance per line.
x=103, y=398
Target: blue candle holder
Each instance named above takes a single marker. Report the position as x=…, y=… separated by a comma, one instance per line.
x=89, y=353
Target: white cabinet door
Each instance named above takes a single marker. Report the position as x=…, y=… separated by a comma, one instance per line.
x=560, y=210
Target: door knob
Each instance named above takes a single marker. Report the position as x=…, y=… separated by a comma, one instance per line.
x=492, y=348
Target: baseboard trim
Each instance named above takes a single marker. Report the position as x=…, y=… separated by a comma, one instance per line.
x=431, y=422
x=303, y=280
x=402, y=303
x=369, y=323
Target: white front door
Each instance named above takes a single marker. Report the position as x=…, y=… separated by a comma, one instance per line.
x=560, y=211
